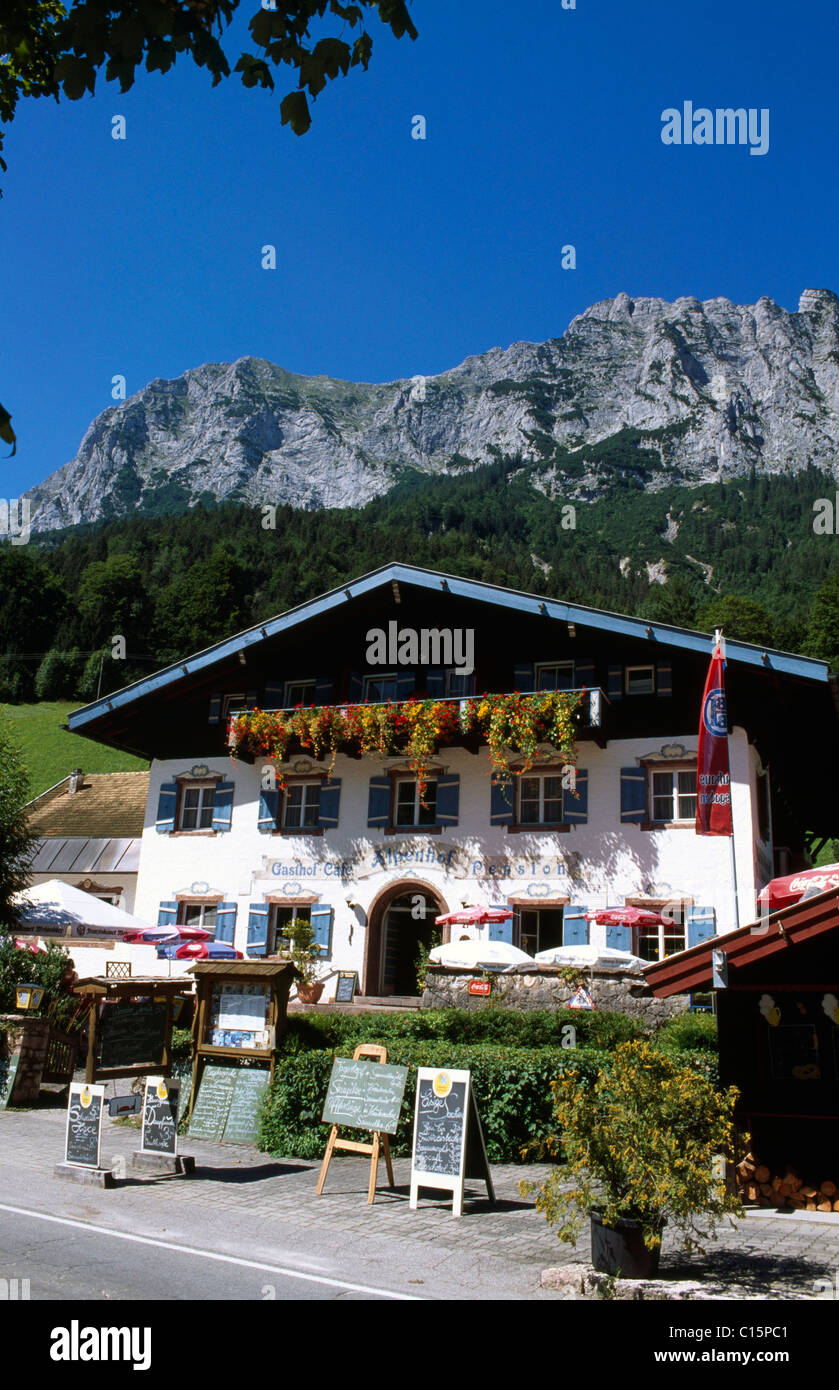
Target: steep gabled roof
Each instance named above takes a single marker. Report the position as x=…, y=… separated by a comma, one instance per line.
x=664, y=634
x=107, y=805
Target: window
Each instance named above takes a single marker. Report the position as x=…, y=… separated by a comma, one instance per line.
x=281, y=918
x=457, y=684
x=300, y=693
x=674, y=795
x=640, y=680
x=301, y=805
x=537, y=930
x=540, y=800
x=381, y=688
x=232, y=704
x=654, y=943
x=197, y=914
x=409, y=810
x=197, y=802
x=560, y=676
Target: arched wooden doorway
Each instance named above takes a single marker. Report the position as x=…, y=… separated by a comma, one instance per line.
x=399, y=919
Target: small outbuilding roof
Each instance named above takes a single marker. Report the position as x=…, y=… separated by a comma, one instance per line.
x=106, y=806
x=759, y=941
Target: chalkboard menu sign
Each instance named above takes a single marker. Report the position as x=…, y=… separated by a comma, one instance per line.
x=365, y=1095
x=440, y=1126
x=346, y=987
x=448, y=1138
x=160, y=1116
x=8, y=1073
x=84, y=1124
x=213, y=1102
x=132, y=1033
x=227, y=1105
x=242, y=1125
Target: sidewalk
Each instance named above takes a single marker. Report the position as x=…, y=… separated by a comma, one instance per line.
x=244, y=1202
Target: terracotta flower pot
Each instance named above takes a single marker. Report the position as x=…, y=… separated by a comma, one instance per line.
x=620, y=1249
x=310, y=994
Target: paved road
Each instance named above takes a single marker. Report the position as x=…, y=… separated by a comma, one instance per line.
x=246, y=1221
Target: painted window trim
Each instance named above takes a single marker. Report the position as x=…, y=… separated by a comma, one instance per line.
x=642, y=666
x=685, y=765
x=185, y=784
x=399, y=775
x=518, y=827
x=293, y=831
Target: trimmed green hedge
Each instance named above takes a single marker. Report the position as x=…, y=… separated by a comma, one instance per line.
x=511, y=1086
x=688, y=1032
x=497, y=1026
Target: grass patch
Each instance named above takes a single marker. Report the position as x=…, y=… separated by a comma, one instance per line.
x=49, y=753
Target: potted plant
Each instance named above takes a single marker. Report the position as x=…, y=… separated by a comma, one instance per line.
x=307, y=957
x=641, y=1147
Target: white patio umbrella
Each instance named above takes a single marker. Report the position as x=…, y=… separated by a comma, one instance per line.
x=54, y=906
x=583, y=954
x=476, y=953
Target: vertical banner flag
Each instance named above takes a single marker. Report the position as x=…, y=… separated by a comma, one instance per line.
x=713, y=781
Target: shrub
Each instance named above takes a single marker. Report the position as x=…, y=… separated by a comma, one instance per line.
x=511, y=1085
x=502, y=1027
x=688, y=1033
x=47, y=968
x=642, y=1146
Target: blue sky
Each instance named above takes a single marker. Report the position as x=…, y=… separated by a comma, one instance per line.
x=398, y=256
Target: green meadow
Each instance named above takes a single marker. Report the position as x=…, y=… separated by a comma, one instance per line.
x=49, y=753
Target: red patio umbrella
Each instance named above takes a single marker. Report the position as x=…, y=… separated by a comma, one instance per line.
x=625, y=917
x=161, y=936
x=474, y=916
x=783, y=892
x=33, y=946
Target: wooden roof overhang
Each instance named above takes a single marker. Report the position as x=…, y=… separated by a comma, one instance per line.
x=106, y=986
x=761, y=941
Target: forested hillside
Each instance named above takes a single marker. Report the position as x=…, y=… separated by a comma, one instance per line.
x=743, y=552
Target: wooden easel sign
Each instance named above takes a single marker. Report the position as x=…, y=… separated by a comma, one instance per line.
x=364, y=1093
x=448, y=1138
x=160, y=1116
x=84, y=1124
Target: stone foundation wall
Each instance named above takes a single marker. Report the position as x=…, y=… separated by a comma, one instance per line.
x=551, y=987
x=27, y=1038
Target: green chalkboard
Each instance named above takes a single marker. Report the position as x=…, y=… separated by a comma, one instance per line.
x=132, y=1034
x=213, y=1102
x=365, y=1095
x=243, y=1121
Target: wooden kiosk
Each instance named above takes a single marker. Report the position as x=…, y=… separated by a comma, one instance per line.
x=129, y=1024
x=240, y=1014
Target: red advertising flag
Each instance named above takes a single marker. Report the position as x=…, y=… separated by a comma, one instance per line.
x=713, y=781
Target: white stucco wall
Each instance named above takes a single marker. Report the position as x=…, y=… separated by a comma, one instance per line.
x=597, y=864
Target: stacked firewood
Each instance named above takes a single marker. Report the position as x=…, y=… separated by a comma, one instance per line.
x=759, y=1186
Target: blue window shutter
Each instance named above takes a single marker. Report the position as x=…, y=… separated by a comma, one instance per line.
x=405, y=684
x=258, y=929
x=524, y=677
x=502, y=931
x=575, y=808
x=702, y=923
x=356, y=688
x=619, y=938
x=502, y=802
x=378, y=802
x=226, y=922
x=435, y=683
x=323, y=690
x=215, y=709
x=614, y=684
x=330, y=800
x=584, y=673
x=269, y=812
x=167, y=805
x=574, y=926
x=251, y=699
x=274, y=694
x=633, y=795
x=448, y=799
x=167, y=914
x=664, y=678
x=223, y=806
x=321, y=919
